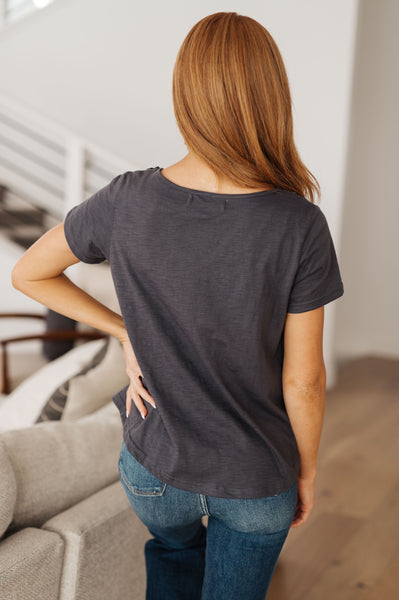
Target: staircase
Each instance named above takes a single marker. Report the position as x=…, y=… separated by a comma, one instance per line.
x=22, y=222
x=45, y=169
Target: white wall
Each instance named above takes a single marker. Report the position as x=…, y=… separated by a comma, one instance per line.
x=104, y=68
x=367, y=322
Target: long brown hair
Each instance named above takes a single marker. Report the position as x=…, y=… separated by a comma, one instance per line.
x=232, y=104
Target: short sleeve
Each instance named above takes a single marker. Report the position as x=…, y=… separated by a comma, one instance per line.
x=88, y=225
x=318, y=279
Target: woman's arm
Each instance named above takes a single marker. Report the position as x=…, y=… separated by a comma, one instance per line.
x=39, y=275
x=304, y=379
x=304, y=390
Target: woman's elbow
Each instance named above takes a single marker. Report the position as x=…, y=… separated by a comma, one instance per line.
x=21, y=273
x=17, y=277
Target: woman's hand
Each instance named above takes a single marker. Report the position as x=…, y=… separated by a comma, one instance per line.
x=136, y=388
x=305, y=500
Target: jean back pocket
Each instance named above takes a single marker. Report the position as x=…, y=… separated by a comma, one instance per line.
x=136, y=478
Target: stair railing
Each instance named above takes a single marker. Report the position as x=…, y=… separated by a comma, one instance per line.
x=48, y=165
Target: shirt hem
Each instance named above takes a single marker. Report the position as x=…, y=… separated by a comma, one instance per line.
x=305, y=306
x=206, y=489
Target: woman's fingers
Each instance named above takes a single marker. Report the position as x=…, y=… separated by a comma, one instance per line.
x=305, y=501
x=300, y=517
x=144, y=393
x=135, y=392
x=128, y=402
x=132, y=396
x=135, y=379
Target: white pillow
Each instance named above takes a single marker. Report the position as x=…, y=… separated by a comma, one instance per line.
x=22, y=407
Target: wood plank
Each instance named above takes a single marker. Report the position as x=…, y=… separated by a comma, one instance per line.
x=362, y=560
x=343, y=482
x=387, y=586
x=307, y=552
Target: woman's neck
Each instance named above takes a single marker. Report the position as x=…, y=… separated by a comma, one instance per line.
x=192, y=172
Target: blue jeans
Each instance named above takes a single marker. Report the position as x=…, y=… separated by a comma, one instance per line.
x=233, y=558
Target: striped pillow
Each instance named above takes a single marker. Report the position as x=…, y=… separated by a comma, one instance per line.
x=54, y=407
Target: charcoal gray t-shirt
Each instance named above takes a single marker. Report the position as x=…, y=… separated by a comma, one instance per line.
x=204, y=282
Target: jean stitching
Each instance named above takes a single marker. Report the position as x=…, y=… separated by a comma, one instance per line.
x=158, y=492
x=204, y=505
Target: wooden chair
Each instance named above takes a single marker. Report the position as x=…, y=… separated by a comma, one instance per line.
x=47, y=336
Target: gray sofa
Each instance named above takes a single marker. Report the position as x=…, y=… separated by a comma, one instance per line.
x=67, y=530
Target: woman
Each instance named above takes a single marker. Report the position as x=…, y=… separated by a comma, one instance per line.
x=222, y=264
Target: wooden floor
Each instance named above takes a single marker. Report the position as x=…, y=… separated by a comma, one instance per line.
x=349, y=547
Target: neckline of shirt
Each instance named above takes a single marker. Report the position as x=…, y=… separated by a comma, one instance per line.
x=171, y=185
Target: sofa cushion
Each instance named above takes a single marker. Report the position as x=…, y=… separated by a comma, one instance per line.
x=21, y=408
x=8, y=489
x=57, y=464
x=55, y=405
x=31, y=563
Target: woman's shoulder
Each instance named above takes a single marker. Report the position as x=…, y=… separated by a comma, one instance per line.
x=135, y=175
